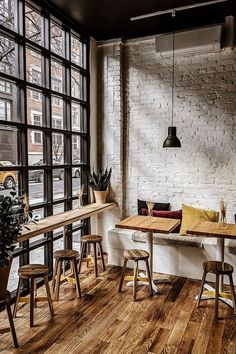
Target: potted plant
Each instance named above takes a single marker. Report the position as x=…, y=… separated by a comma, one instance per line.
x=12, y=218
x=99, y=182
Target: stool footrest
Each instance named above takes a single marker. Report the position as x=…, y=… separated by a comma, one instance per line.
x=37, y=298
x=90, y=259
x=131, y=278
x=212, y=294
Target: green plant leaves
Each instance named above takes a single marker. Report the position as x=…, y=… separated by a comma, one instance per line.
x=99, y=181
x=12, y=218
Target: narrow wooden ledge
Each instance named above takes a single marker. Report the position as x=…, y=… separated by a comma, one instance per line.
x=53, y=222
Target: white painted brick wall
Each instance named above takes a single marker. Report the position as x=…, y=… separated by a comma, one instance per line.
x=204, y=170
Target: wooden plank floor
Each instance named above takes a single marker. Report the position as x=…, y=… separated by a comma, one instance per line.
x=105, y=321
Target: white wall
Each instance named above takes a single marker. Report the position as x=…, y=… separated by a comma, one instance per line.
x=135, y=94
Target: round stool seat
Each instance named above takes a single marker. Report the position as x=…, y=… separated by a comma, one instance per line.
x=91, y=238
x=33, y=271
x=66, y=254
x=217, y=267
x=136, y=255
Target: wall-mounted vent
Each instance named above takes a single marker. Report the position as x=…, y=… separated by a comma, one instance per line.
x=197, y=41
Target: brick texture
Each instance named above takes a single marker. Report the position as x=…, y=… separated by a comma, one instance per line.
x=134, y=114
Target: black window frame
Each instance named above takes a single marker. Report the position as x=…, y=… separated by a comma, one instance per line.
x=22, y=43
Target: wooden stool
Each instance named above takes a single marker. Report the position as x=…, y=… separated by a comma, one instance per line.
x=92, y=239
x=61, y=256
x=136, y=256
x=6, y=302
x=217, y=268
x=32, y=272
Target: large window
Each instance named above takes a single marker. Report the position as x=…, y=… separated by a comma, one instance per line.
x=43, y=119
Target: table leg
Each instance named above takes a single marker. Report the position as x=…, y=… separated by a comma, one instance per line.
x=149, y=239
x=220, y=257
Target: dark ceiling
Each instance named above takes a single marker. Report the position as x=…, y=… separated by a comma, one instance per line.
x=107, y=19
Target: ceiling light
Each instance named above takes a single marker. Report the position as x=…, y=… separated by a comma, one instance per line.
x=172, y=141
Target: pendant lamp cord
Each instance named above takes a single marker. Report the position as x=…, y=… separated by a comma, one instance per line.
x=173, y=77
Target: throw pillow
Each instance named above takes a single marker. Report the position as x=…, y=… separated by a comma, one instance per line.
x=171, y=214
x=157, y=206
x=191, y=215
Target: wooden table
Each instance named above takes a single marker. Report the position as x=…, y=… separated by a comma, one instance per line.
x=53, y=222
x=158, y=225
x=212, y=229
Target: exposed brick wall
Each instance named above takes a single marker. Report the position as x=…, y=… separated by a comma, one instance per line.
x=204, y=170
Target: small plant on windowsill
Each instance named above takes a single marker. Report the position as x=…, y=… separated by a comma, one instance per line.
x=99, y=182
x=13, y=217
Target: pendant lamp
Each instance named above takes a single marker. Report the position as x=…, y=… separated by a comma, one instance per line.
x=172, y=141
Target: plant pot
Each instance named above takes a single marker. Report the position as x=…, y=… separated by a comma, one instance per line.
x=100, y=196
x=4, y=275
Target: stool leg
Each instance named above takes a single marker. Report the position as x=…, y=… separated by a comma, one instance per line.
x=48, y=295
x=54, y=274
x=31, y=302
x=122, y=275
x=217, y=296
x=95, y=259
x=149, y=276
x=233, y=292
x=81, y=256
x=17, y=296
x=75, y=271
x=13, y=331
x=202, y=287
x=102, y=256
x=135, y=279
x=58, y=280
x=72, y=270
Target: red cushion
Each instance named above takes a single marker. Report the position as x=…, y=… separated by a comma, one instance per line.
x=171, y=214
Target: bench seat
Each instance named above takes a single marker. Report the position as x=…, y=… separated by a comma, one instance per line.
x=172, y=254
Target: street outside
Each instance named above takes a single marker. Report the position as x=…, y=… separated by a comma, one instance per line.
x=36, y=190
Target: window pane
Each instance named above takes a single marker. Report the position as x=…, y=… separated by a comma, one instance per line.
x=35, y=147
x=58, y=183
x=7, y=13
x=76, y=240
x=36, y=179
x=34, y=107
x=8, y=101
x=57, y=39
x=76, y=51
x=57, y=112
x=33, y=22
x=58, y=244
x=57, y=209
x=76, y=173
x=75, y=116
x=7, y=56
x=33, y=67
x=8, y=144
x=40, y=214
x=37, y=255
x=75, y=84
x=56, y=76
x=75, y=149
x=57, y=148
x=13, y=277
x=8, y=179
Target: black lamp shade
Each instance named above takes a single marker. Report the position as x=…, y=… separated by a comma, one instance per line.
x=172, y=141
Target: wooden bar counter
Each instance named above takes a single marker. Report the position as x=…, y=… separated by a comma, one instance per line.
x=53, y=222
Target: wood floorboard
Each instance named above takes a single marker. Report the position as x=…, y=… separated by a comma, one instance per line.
x=107, y=322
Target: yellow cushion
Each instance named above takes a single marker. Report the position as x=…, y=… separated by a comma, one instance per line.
x=191, y=215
